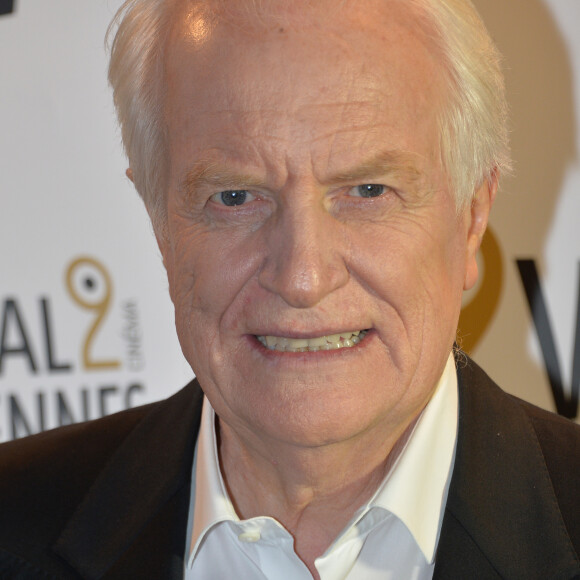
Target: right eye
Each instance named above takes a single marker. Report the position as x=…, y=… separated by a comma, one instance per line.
x=369, y=190
x=232, y=197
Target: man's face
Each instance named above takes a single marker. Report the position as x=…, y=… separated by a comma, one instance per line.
x=306, y=200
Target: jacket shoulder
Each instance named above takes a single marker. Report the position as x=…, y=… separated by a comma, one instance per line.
x=44, y=478
x=559, y=439
x=530, y=457
x=75, y=450
x=110, y=469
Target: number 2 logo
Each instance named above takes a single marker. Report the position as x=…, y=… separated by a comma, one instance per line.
x=90, y=286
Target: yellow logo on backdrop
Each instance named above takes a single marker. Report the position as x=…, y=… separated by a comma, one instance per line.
x=90, y=286
x=52, y=392
x=477, y=315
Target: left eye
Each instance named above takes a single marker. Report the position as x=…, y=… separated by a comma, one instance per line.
x=232, y=197
x=368, y=190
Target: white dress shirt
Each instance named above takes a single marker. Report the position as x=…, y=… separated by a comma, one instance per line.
x=392, y=536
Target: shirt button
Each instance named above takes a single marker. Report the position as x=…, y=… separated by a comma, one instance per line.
x=250, y=536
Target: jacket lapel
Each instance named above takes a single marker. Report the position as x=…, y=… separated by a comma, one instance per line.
x=134, y=517
x=502, y=518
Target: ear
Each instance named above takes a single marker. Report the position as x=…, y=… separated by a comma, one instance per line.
x=479, y=215
x=129, y=174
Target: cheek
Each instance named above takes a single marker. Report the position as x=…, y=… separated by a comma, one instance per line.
x=444, y=272
x=207, y=273
x=413, y=265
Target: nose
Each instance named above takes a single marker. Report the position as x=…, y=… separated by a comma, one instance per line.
x=306, y=258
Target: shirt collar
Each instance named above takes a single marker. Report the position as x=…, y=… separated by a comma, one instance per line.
x=210, y=500
x=414, y=490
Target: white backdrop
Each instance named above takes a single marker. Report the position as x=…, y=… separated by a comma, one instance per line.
x=86, y=326
x=536, y=214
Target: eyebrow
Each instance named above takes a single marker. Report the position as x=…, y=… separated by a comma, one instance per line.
x=216, y=174
x=384, y=164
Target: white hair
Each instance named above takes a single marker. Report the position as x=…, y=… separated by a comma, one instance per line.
x=136, y=75
x=473, y=125
x=474, y=137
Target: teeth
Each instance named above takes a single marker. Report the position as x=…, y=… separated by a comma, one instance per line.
x=330, y=342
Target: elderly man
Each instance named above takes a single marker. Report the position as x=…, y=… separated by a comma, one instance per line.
x=319, y=175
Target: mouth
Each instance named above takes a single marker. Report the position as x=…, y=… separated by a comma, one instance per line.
x=329, y=342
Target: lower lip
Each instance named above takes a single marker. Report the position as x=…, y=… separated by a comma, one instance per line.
x=310, y=355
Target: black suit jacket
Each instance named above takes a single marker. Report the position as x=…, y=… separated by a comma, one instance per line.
x=109, y=499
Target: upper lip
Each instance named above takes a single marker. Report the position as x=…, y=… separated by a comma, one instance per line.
x=310, y=334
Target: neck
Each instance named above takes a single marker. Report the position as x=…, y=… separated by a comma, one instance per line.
x=312, y=491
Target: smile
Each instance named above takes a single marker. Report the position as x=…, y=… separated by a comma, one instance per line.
x=330, y=342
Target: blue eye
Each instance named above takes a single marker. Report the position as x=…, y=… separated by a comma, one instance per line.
x=233, y=197
x=370, y=190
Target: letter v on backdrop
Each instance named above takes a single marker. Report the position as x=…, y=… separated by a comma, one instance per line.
x=565, y=405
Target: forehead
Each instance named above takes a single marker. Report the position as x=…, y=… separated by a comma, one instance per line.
x=302, y=72
x=356, y=26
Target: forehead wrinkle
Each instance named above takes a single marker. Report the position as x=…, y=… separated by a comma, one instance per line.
x=332, y=134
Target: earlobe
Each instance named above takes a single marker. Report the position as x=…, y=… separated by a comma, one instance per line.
x=129, y=174
x=479, y=215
